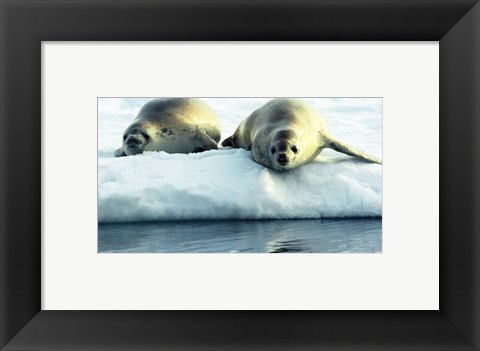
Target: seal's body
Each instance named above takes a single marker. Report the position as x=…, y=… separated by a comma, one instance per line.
x=286, y=133
x=177, y=125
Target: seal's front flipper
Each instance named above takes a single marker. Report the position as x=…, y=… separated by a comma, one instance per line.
x=120, y=152
x=339, y=146
x=228, y=141
x=204, y=142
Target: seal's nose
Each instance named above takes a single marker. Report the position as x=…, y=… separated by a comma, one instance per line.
x=282, y=157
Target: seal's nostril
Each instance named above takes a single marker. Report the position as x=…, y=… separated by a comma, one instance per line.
x=282, y=157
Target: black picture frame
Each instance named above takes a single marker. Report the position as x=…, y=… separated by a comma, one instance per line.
x=25, y=24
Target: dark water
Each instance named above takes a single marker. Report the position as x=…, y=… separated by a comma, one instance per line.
x=275, y=236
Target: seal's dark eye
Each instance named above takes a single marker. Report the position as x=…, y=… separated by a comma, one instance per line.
x=125, y=137
x=294, y=149
x=147, y=138
x=273, y=150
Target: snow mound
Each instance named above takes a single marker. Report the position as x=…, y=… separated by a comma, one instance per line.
x=228, y=184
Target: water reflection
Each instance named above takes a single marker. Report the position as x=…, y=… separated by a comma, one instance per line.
x=275, y=236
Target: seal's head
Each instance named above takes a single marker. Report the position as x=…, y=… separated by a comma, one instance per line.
x=135, y=140
x=279, y=152
x=283, y=150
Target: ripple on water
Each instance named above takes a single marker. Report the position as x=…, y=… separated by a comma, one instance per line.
x=273, y=236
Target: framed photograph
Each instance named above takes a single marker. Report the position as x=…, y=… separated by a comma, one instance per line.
x=390, y=91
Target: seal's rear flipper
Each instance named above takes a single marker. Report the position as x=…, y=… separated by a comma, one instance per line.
x=339, y=146
x=228, y=141
x=204, y=142
x=120, y=152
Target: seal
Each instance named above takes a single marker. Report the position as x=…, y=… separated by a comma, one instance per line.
x=173, y=125
x=286, y=133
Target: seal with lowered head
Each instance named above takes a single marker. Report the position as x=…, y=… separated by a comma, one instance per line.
x=286, y=133
x=173, y=125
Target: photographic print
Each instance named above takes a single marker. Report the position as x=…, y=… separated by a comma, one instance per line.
x=240, y=175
